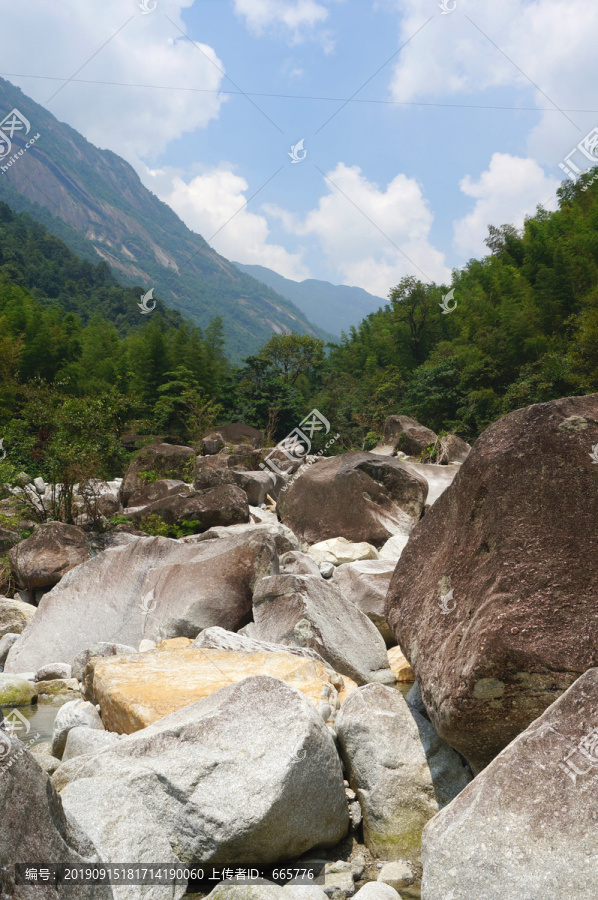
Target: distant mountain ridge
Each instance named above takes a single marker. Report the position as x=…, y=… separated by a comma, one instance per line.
x=95, y=202
x=330, y=306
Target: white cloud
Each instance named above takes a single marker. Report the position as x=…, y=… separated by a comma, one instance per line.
x=58, y=38
x=361, y=236
x=213, y=198
x=548, y=42
x=292, y=14
x=506, y=192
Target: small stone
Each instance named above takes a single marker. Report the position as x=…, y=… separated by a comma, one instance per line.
x=397, y=874
x=54, y=671
x=146, y=645
x=326, y=570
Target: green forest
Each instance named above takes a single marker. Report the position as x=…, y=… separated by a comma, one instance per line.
x=81, y=367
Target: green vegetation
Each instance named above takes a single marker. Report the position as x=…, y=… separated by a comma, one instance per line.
x=80, y=367
x=525, y=330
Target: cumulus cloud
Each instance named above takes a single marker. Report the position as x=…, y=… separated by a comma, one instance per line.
x=212, y=200
x=297, y=18
x=506, y=192
x=135, y=122
x=371, y=236
x=548, y=54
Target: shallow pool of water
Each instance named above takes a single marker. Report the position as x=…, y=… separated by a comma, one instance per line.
x=40, y=718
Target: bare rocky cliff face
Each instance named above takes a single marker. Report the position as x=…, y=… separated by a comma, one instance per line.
x=109, y=213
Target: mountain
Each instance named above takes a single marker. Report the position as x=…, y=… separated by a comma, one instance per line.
x=95, y=202
x=334, y=307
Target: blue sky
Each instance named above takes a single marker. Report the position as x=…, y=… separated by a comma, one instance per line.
x=462, y=127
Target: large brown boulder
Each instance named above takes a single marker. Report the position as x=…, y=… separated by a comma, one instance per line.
x=405, y=435
x=225, y=505
x=526, y=826
x=40, y=561
x=152, y=588
x=157, y=490
x=359, y=496
x=493, y=600
x=161, y=460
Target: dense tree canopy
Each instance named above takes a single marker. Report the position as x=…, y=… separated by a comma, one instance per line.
x=522, y=328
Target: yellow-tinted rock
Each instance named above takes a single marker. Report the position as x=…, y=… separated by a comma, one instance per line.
x=136, y=690
x=399, y=666
x=174, y=644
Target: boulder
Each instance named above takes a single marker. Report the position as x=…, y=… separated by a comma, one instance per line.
x=83, y=740
x=377, y=890
x=225, y=505
x=40, y=561
x=6, y=643
x=249, y=773
x=237, y=433
x=361, y=496
x=338, y=551
x=296, y=563
x=54, y=670
x=34, y=829
x=257, y=485
x=58, y=687
x=14, y=616
x=99, y=649
x=212, y=472
x=166, y=461
x=401, y=771
x=245, y=458
x=399, y=666
x=121, y=831
x=72, y=714
x=43, y=756
x=438, y=478
x=219, y=639
x=151, y=589
x=15, y=690
x=501, y=618
x=212, y=443
x=393, y=547
x=526, y=826
x=396, y=874
x=366, y=584
x=135, y=691
x=8, y=539
x=404, y=435
x=283, y=537
x=157, y=490
x=309, y=612
x=454, y=449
